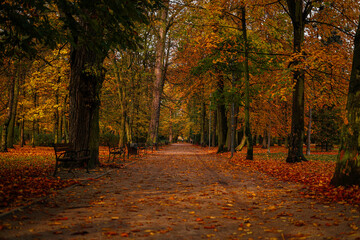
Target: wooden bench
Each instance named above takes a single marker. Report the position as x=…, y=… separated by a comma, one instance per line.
x=67, y=156
x=115, y=151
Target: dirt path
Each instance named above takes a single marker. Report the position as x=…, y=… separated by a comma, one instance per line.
x=182, y=192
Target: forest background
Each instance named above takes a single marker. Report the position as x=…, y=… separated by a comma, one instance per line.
x=219, y=73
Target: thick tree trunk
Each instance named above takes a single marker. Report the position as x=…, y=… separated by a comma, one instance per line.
x=298, y=17
x=249, y=141
x=347, y=171
x=4, y=133
x=87, y=75
x=221, y=117
x=159, y=77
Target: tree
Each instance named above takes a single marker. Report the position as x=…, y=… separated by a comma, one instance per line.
x=249, y=141
x=222, y=127
x=160, y=73
x=93, y=28
x=347, y=170
x=10, y=112
x=298, y=14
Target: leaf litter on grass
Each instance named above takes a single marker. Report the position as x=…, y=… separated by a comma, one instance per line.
x=314, y=174
x=26, y=174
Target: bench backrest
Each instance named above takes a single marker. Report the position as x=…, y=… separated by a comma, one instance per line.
x=62, y=147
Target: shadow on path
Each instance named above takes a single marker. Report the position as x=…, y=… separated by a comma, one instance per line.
x=183, y=192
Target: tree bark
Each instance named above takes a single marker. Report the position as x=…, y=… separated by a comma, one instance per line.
x=66, y=128
x=214, y=130
x=33, y=130
x=249, y=141
x=233, y=130
x=121, y=96
x=347, y=171
x=264, y=140
x=202, y=124
x=129, y=131
x=221, y=116
x=170, y=128
x=308, y=142
x=11, y=128
x=159, y=76
x=87, y=75
x=298, y=16
x=22, y=135
x=4, y=133
x=57, y=126
x=269, y=137
x=242, y=143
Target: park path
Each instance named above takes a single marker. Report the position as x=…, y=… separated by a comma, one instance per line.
x=183, y=192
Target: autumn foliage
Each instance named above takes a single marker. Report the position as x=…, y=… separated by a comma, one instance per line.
x=24, y=176
x=315, y=175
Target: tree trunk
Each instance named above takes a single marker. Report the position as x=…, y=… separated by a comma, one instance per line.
x=121, y=97
x=228, y=134
x=170, y=128
x=269, y=137
x=264, y=140
x=297, y=124
x=33, y=129
x=128, y=130
x=4, y=133
x=22, y=135
x=87, y=75
x=11, y=128
x=221, y=116
x=57, y=131
x=202, y=124
x=66, y=129
x=249, y=141
x=242, y=143
x=159, y=76
x=122, y=134
x=308, y=142
x=347, y=171
x=214, y=130
x=233, y=130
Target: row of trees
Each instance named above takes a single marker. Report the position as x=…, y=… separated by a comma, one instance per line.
x=88, y=30
x=225, y=70
x=253, y=67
